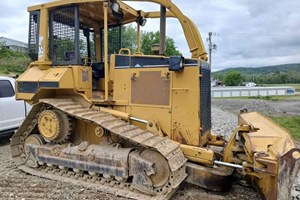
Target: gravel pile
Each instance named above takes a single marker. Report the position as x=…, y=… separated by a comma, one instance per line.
x=223, y=122
x=235, y=105
x=260, y=106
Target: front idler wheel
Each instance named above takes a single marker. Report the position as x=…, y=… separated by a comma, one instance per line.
x=161, y=167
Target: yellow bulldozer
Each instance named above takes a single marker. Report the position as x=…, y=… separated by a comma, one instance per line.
x=130, y=124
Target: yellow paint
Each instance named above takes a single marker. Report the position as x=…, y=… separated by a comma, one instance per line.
x=185, y=106
x=48, y=125
x=67, y=77
x=87, y=132
x=43, y=38
x=197, y=154
x=106, y=77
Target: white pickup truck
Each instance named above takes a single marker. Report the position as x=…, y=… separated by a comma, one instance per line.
x=12, y=112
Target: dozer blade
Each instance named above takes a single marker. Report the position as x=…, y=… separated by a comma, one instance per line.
x=272, y=158
x=288, y=167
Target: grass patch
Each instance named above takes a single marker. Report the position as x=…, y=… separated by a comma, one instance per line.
x=268, y=98
x=291, y=123
x=295, y=85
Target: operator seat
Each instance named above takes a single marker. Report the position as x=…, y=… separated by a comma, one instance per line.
x=97, y=73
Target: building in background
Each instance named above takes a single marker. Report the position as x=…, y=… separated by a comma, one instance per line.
x=216, y=83
x=13, y=45
x=251, y=84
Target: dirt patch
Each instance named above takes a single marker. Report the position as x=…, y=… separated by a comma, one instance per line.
x=287, y=107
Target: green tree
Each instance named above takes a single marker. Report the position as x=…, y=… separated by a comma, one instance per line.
x=148, y=39
x=171, y=49
x=129, y=38
x=233, y=78
x=218, y=76
x=151, y=38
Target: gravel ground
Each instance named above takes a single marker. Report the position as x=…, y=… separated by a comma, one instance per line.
x=15, y=184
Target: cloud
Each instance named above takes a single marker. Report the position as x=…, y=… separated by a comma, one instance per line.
x=14, y=18
x=249, y=33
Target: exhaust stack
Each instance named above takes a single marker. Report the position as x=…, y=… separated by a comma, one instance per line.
x=163, y=16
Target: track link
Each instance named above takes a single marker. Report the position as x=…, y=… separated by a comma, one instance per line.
x=118, y=127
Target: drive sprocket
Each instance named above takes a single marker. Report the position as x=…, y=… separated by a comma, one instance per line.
x=54, y=126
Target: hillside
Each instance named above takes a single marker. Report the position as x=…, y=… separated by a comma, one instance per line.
x=263, y=70
x=277, y=74
x=12, y=62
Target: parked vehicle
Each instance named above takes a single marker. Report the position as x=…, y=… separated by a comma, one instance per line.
x=12, y=111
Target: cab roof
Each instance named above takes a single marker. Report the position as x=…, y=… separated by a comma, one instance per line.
x=91, y=11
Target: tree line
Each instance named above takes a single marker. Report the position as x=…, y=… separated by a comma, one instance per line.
x=148, y=39
x=235, y=78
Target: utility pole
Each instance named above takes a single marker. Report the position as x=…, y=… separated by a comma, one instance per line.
x=211, y=46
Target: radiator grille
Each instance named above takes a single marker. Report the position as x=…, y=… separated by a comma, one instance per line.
x=33, y=36
x=205, y=98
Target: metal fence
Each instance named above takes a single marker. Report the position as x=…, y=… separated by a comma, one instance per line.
x=251, y=91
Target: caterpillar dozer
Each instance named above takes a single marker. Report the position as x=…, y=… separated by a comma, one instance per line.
x=130, y=124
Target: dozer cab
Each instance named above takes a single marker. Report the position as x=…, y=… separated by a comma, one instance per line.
x=130, y=124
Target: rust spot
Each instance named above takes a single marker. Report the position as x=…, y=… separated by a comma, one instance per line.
x=178, y=135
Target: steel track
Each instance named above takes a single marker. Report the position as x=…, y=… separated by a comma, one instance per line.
x=118, y=127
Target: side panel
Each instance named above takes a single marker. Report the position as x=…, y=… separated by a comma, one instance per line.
x=145, y=93
x=145, y=88
x=121, y=86
x=150, y=96
x=185, y=106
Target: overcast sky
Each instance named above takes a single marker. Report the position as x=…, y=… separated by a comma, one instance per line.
x=248, y=33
